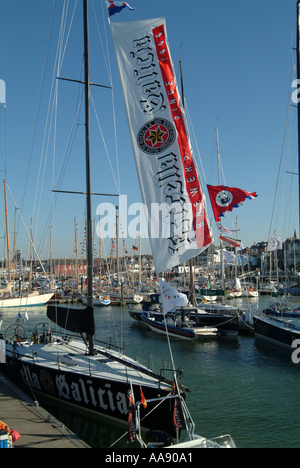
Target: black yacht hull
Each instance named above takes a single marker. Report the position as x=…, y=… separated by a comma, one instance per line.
x=105, y=397
x=227, y=323
x=275, y=331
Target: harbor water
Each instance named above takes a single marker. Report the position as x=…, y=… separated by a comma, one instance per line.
x=239, y=385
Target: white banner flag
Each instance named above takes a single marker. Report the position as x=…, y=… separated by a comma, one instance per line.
x=169, y=179
x=229, y=257
x=171, y=298
x=275, y=243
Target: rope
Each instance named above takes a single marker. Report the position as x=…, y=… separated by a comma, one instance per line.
x=125, y=433
x=104, y=143
x=281, y=156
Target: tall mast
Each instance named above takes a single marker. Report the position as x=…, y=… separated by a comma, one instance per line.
x=7, y=233
x=298, y=76
x=89, y=251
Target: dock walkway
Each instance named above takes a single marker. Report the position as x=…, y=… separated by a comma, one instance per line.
x=37, y=427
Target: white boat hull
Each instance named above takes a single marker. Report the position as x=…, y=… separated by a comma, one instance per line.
x=40, y=299
x=97, y=301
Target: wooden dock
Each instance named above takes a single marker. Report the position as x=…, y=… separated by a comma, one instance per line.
x=37, y=427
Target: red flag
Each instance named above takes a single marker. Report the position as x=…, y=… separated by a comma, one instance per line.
x=224, y=199
x=143, y=399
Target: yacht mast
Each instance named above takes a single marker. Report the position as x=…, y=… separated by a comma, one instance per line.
x=89, y=251
x=7, y=233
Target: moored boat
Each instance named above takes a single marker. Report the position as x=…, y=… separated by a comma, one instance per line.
x=60, y=368
x=188, y=323
x=281, y=331
x=30, y=300
x=279, y=323
x=98, y=300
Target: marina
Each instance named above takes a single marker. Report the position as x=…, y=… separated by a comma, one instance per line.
x=239, y=384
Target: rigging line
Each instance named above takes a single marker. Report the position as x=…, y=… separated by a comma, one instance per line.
x=197, y=147
x=58, y=62
x=3, y=155
x=284, y=195
x=49, y=119
x=55, y=194
x=106, y=59
x=63, y=165
x=105, y=147
x=69, y=145
x=196, y=143
x=37, y=110
x=70, y=142
x=63, y=50
x=36, y=120
x=44, y=156
x=116, y=140
x=61, y=174
x=109, y=72
x=29, y=236
x=282, y=149
x=60, y=56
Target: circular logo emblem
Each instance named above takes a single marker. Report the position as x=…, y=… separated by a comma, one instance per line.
x=224, y=198
x=156, y=136
x=46, y=381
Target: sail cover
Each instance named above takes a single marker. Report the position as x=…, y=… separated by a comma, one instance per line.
x=168, y=176
x=74, y=320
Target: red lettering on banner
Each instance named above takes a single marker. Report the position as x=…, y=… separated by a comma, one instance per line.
x=194, y=191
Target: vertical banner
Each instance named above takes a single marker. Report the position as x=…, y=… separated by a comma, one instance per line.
x=168, y=176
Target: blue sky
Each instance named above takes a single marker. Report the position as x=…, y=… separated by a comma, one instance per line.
x=237, y=64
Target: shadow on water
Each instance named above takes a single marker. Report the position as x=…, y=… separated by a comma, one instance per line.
x=97, y=431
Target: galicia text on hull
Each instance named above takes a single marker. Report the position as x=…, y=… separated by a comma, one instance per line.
x=73, y=378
